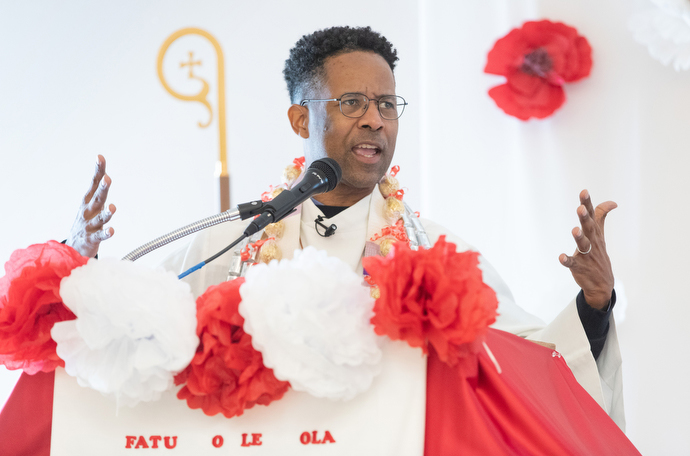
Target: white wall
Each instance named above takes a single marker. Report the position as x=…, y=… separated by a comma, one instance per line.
x=79, y=79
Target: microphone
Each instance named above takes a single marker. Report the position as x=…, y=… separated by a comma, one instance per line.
x=330, y=230
x=322, y=176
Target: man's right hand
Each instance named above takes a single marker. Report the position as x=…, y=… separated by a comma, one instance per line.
x=87, y=231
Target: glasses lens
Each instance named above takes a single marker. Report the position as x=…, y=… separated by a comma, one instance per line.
x=391, y=107
x=353, y=104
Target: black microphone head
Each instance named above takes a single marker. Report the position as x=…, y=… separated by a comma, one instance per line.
x=331, y=169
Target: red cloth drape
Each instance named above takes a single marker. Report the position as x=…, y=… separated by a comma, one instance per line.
x=26, y=419
x=533, y=407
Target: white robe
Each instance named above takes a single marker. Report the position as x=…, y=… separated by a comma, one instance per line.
x=601, y=378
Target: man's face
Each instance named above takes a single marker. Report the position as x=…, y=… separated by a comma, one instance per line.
x=362, y=146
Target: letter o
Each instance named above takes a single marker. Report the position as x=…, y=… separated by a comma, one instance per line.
x=305, y=438
x=217, y=441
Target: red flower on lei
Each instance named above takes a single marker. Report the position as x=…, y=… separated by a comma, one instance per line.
x=433, y=296
x=537, y=59
x=30, y=304
x=227, y=374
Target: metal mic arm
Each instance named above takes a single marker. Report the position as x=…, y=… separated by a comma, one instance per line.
x=322, y=176
x=242, y=211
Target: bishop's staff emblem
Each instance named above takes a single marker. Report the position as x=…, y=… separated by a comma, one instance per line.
x=202, y=97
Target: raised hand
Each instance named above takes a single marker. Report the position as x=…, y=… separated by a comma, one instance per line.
x=88, y=231
x=590, y=264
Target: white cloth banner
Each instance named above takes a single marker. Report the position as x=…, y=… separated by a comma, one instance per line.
x=386, y=420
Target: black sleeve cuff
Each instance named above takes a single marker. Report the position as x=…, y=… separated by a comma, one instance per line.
x=595, y=322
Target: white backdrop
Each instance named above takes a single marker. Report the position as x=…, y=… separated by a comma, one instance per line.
x=79, y=78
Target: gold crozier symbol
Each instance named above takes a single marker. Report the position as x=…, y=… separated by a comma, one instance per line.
x=201, y=96
x=191, y=64
x=222, y=167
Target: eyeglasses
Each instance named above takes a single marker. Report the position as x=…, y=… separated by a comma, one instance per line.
x=356, y=104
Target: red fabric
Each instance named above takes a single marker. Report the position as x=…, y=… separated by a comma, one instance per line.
x=27, y=417
x=534, y=407
x=537, y=59
x=432, y=297
x=227, y=374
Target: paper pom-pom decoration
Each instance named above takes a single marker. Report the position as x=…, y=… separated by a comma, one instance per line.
x=433, y=296
x=135, y=329
x=227, y=374
x=537, y=59
x=310, y=318
x=665, y=30
x=30, y=304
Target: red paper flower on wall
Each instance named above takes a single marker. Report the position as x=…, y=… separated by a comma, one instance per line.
x=227, y=374
x=537, y=59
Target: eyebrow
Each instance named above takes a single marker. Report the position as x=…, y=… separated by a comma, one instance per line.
x=376, y=96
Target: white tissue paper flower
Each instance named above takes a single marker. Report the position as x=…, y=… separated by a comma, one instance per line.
x=665, y=30
x=310, y=319
x=135, y=329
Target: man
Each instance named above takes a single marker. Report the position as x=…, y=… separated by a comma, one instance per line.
x=342, y=88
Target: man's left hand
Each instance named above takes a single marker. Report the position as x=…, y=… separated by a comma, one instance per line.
x=590, y=264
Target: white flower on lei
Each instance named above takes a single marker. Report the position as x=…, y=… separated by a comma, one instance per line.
x=665, y=30
x=135, y=328
x=310, y=319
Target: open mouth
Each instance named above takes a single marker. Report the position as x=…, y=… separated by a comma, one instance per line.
x=366, y=151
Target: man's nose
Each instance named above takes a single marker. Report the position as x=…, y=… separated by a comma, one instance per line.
x=372, y=118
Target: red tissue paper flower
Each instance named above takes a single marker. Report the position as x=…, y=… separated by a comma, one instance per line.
x=227, y=374
x=433, y=296
x=30, y=304
x=537, y=59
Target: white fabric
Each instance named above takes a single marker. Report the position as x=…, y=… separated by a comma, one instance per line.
x=602, y=379
x=377, y=422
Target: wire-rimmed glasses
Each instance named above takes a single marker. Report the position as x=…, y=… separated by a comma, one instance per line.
x=355, y=105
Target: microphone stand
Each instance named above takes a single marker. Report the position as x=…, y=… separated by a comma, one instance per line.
x=242, y=211
x=321, y=176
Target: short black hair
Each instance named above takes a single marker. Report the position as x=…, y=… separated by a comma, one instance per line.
x=307, y=57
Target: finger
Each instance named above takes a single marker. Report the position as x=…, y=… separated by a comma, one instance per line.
x=602, y=211
x=98, y=175
x=583, y=243
x=98, y=201
x=566, y=261
x=586, y=222
x=101, y=235
x=101, y=219
x=586, y=201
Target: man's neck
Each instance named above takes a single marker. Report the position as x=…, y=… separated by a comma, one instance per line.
x=344, y=197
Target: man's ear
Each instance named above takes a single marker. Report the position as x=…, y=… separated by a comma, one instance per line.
x=299, y=120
